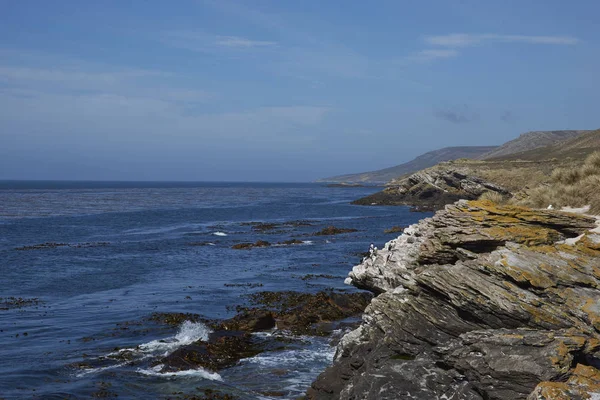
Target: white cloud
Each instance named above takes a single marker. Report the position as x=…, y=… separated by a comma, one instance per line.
x=465, y=40
x=240, y=42
x=433, y=54
x=206, y=43
x=68, y=77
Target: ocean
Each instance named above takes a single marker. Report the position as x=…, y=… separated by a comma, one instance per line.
x=85, y=265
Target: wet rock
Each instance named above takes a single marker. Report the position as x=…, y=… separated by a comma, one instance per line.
x=231, y=339
x=247, y=285
x=250, y=320
x=42, y=246
x=223, y=349
x=332, y=230
x=263, y=226
x=302, y=313
x=7, y=303
x=175, y=319
x=291, y=241
x=54, y=245
x=478, y=302
x=308, y=277
x=247, y=246
x=208, y=394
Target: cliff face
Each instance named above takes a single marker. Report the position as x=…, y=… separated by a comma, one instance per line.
x=478, y=302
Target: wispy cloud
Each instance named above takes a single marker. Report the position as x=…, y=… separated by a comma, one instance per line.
x=432, y=54
x=457, y=115
x=71, y=75
x=207, y=43
x=466, y=40
x=97, y=99
x=30, y=74
x=240, y=42
x=446, y=46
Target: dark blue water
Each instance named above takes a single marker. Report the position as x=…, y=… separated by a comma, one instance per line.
x=126, y=251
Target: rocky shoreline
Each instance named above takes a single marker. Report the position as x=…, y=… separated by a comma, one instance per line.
x=480, y=301
x=432, y=189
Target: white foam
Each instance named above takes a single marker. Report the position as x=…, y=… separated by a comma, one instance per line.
x=194, y=373
x=189, y=332
x=293, y=357
x=307, y=242
x=96, y=370
x=219, y=234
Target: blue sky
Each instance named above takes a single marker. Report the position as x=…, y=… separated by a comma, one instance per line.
x=273, y=90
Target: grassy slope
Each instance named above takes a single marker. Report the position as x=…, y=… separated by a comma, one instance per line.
x=529, y=141
x=577, y=148
x=423, y=161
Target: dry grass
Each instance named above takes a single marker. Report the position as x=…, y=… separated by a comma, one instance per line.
x=573, y=187
x=494, y=197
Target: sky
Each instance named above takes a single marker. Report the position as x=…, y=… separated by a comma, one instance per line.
x=282, y=90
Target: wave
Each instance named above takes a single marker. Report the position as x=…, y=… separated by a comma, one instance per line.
x=219, y=234
x=201, y=373
x=189, y=332
x=99, y=369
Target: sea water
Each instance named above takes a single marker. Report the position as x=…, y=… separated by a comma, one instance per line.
x=93, y=261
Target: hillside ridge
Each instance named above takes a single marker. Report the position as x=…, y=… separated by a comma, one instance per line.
x=423, y=161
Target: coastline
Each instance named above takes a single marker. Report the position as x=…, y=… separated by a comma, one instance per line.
x=478, y=302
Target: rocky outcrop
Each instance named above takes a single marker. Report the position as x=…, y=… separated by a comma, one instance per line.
x=231, y=340
x=433, y=189
x=478, y=302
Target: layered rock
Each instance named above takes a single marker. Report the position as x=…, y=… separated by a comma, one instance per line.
x=478, y=302
x=433, y=188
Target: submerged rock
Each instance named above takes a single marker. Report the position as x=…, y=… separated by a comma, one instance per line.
x=290, y=242
x=258, y=243
x=306, y=313
x=478, y=302
x=332, y=230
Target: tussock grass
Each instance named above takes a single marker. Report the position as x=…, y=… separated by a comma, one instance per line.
x=494, y=197
x=570, y=187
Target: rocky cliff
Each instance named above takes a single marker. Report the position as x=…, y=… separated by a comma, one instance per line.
x=433, y=188
x=478, y=302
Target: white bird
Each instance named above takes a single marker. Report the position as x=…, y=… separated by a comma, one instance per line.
x=550, y=207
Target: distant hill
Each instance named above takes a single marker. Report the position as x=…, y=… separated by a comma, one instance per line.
x=530, y=141
x=423, y=161
x=522, y=174
x=579, y=146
